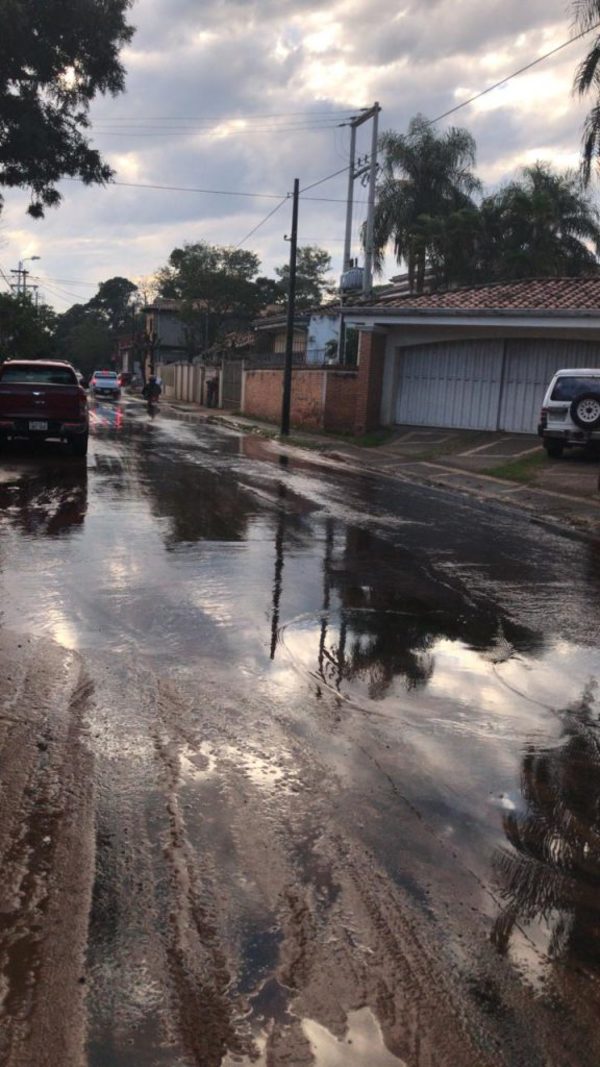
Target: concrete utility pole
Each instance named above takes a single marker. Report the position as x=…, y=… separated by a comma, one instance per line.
x=369, y=250
x=289, y=340
x=355, y=172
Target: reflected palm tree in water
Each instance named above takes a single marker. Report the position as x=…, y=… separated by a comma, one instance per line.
x=551, y=872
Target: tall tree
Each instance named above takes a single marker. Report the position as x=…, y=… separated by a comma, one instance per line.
x=26, y=332
x=86, y=334
x=55, y=57
x=113, y=301
x=542, y=224
x=587, y=78
x=426, y=175
x=313, y=264
x=216, y=286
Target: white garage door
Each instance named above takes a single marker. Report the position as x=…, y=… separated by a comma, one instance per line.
x=450, y=384
x=529, y=367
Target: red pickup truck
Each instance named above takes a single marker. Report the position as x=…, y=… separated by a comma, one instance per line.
x=41, y=399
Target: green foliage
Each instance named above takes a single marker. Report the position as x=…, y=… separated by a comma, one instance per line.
x=26, y=332
x=540, y=224
x=313, y=264
x=217, y=287
x=587, y=78
x=86, y=334
x=427, y=177
x=113, y=302
x=55, y=57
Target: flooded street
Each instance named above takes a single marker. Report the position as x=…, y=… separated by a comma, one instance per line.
x=298, y=765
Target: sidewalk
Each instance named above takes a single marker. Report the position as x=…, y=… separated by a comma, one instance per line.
x=510, y=469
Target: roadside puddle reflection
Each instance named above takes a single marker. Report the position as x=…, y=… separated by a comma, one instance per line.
x=363, y=1043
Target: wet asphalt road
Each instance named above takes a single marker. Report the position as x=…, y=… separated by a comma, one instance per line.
x=297, y=765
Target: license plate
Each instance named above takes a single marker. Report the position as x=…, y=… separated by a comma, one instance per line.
x=38, y=424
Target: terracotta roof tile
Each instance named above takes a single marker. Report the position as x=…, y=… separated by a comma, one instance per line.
x=536, y=294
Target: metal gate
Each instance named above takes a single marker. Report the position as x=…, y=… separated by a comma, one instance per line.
x=529, y=367
x=483, y=385
x=232, y=384
x=450, y=384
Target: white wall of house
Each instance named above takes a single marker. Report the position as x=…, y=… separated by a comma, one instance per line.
x=321, y=330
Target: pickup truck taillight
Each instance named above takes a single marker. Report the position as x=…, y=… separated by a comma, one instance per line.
x=82, y=401
x=544, y=418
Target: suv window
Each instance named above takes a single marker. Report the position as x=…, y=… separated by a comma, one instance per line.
x=567, y=387
x=105, y=374
x=37, y=375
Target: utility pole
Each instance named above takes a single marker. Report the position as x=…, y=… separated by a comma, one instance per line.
x=350, y=203
x=369, y=250
x=365, y=166
x=289, y=340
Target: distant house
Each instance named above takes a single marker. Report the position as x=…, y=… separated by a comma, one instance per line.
x=478, y=357
x=166, y=333
x=316, y=334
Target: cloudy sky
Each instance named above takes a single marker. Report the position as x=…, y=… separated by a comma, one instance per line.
x=245, y=95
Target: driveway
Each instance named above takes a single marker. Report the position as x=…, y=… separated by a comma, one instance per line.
x=299, y=764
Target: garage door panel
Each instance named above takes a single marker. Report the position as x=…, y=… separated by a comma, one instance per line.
x=450, y=384
x=530, y=365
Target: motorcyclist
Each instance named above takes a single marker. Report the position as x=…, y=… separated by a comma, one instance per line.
x=152, y=390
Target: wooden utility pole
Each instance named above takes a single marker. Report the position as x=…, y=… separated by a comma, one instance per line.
x=289, y=340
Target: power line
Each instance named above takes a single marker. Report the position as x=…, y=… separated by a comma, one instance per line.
x=515, y=74
x=343, y=170
x=187, y=189
x=262, y=222
x=237, y=118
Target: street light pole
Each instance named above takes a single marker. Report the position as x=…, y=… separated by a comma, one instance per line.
x=289, y=340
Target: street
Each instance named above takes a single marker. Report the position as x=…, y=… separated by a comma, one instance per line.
x=298, y=765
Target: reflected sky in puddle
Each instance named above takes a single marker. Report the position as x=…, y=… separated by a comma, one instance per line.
x=363, y=1043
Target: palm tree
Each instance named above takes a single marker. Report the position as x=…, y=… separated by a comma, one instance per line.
x=426, y=176
x=587, y=15
x=541, y=225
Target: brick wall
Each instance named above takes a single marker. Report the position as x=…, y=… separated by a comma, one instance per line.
x=321, y=399
x=371, y=356
x=340, y=401
x=264, y=390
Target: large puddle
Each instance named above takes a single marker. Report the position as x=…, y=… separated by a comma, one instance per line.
x=440, y=661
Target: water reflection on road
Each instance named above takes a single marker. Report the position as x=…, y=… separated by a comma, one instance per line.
x=346, y=746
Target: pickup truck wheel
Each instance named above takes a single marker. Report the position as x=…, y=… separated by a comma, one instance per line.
x=554, y=449
x=585, y=411
x=79, y=445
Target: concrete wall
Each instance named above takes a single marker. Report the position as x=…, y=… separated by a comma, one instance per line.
x=321, y=399
x=182, y=381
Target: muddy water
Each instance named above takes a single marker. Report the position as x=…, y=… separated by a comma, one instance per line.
x=298, y=766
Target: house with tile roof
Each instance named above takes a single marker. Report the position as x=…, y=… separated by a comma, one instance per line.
x=474, y=358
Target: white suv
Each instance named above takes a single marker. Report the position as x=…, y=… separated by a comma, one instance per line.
x=571, y=410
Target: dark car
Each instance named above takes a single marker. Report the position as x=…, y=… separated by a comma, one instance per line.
x=42, y=400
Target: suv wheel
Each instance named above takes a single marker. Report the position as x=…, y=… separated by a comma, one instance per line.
x=554, y=449
x=585, y=411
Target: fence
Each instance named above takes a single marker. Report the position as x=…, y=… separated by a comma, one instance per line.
x=323, y=397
